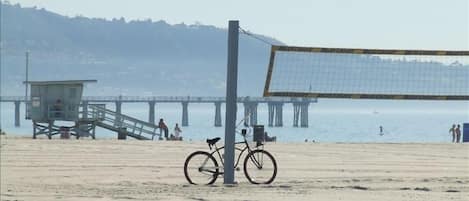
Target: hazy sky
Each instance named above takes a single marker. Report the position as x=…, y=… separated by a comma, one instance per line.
x=412, y=24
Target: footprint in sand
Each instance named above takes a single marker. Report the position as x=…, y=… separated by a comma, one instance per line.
x=359, y=188
x=422, y=189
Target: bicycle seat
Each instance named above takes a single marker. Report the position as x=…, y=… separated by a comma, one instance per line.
x=213, y=141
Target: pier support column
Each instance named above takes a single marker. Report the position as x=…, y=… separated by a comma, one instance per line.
x=118, y=107
x=118, y=111
x=250, y=108
x=218, y=114
x=85, y=109
x=254, y=113
x=185, y=116
x=296, y=114
x=17, y=113
x=304, y=114
x=279, y=114
x=300, y=114
x=271, y=108
x=151, y=113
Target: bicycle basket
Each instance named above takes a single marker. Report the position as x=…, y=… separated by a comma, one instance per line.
x=258, y=135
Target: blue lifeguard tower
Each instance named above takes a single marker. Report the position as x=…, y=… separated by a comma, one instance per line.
x=53, y=103
x=58, y=101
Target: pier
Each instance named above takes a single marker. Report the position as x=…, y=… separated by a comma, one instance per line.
x=250, y=104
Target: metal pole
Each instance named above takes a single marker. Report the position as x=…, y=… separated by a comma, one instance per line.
x=1, y=62
x=27, y=85
x=231, y=96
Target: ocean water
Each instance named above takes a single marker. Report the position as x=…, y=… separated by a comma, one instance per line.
x=329, y=120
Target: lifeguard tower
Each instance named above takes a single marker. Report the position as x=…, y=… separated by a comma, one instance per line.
x=53, y=101
x=57, y=102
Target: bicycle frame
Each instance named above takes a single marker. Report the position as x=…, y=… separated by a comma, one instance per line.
x=242, y=150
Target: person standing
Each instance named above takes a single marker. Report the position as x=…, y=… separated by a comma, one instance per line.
x=457, y=131
x=381, y=130
x=177, y=132
x=452, y=130
x=163, y=128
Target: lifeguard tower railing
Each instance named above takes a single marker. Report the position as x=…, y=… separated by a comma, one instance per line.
x=120, y=123
x=66, y=112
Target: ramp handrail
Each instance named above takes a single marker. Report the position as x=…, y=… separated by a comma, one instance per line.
x=119, y=121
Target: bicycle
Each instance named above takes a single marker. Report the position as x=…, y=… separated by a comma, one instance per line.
x=259, y=167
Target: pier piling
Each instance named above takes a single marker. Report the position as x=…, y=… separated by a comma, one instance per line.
x=17, y=113
x=218, y=114
x=185, y=114
x=250, y=108
x=151, y=113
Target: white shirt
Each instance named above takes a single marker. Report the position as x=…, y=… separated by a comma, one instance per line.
x=177, y=131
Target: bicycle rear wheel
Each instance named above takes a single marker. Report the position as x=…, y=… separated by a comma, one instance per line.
x=260, y=167
x=201, y=168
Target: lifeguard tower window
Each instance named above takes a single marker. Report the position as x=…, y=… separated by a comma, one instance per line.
x=72, y=92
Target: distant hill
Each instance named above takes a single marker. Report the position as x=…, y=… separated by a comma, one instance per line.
x=128, y=57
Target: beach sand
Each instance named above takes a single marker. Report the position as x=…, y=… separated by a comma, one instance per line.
x=86, y=169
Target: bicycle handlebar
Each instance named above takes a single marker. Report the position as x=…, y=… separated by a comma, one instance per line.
x=243, y=120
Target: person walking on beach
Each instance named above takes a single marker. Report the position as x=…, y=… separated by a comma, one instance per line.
x=381, y=130
x=163, y=128
x=457, y=131
x=452, y=130
x=177, y=131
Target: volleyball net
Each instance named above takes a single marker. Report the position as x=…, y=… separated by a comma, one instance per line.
x=367, y=73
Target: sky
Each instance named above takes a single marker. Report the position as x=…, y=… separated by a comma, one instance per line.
x=388, y=24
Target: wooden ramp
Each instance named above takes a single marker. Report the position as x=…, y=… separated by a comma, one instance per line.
x=120, y=123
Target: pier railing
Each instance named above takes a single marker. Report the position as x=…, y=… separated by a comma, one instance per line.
x=275, y=105
x=200, y=99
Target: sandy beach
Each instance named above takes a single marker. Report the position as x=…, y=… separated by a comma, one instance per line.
x=86, y=169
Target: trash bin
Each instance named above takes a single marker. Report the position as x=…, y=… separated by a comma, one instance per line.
x=465, y=132
x=122, y=134
x=64, y=132
x=258, y=135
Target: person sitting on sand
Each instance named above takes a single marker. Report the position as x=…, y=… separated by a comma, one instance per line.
x=163, y=128
x=174, y=138
x=177, y=131
x=270, y=138
x=452, y=130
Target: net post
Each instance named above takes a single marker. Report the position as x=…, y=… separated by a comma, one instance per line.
x=231, y=96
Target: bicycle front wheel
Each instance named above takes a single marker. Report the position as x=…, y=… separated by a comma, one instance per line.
x=260, y=167
x=201, y=168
